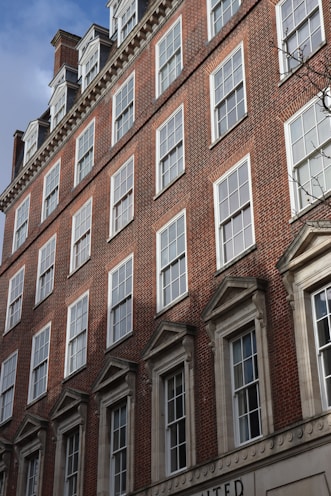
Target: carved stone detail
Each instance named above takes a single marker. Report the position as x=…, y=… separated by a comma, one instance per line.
x=288, y=280
x=280, y=444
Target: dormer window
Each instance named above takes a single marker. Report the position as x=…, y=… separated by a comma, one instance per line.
x=33, y=138
x=124, y=16
x=93, y=52
x=90, y=64
x=59, y=107
x=64, y=91
x=127, y=18
x=30, y=139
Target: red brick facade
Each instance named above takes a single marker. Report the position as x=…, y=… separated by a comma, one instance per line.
x=270, y=102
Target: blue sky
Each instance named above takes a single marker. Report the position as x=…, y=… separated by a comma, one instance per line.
x=26, y=62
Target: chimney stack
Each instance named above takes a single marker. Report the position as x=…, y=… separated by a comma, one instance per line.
x=65, y=50
x=18, y=151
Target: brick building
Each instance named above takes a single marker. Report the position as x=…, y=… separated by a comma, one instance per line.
x=165, y=285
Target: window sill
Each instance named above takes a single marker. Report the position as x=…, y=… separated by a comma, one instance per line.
x=247, y=443
x=160, y=193
x=118, y=342
x=161, y=311
x=6, y=421
x=112, y=236
x=311, y=205
x=78, y=268
x=236, y=259
x=39, y=302
x=287, y=75
x=35, y=400
x=73, y=374
x=6, y=331
x=217, y=140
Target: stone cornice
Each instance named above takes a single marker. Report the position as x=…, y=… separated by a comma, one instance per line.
x=281, y=445
x=123, y=56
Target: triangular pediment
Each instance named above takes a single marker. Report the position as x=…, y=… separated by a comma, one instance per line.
x=69, y=400
x=57, y=92
x=30, y=129
x=167, y=334
x=312, y=241
x=230, y=293
x=114, y=370
x=30, y=426
x=89, y=50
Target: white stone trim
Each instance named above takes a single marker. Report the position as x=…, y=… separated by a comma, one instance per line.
x=237, y=305
x=305, y=267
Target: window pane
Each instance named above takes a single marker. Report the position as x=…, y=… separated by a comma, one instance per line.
x=171, y=149
x=229, y=93
x=175, y=421
x=322, y=324
x=82, y=221
x=120, y=319
x=246, y=387
x=169, y=61
x=235, y=224
x=301, y=30
x=172, y=261
x=123, y=103
x=85, y=145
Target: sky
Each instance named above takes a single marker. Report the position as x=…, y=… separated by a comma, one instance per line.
x=27, y=59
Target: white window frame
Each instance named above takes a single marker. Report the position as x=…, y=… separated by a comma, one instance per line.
x=163, y=267
x=30, y=142
x=122, y=197
x=244, y=413
x=51, y=190
x=90, y=63
x=32, y=474
x=115, y=387
x=122, y=23
x=171, y=348
x=85, y=145
x=238, y=306
x=7, y=388
x=286, y=62
x=71, y=466
x=168, y=148
x=21, y=223
x=124, y=299
x=174, y=426
x=113, y=21
x=126, y=112
x=118, y=450
x=228, y=219
x=69, y=415
x=39, y=363
x=216, y=103
x=82, y=238
x=223, y=15
x=166, y=64
x=323, y=349
x=59, y=105
x=30, y=444
x=46, y=269
x=15, y=298
x=77, y=335
x=305, y=267
x=314, y=188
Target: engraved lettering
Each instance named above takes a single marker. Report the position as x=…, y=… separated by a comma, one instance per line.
x=239, y=488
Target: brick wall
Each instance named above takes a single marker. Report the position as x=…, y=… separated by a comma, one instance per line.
x=260, y=134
